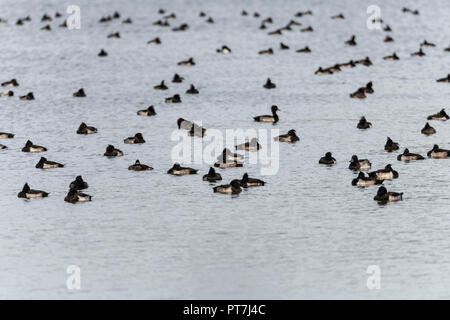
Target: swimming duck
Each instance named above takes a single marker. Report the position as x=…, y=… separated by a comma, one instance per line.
x=387, y=28
x=115, y=35
x=369, y=87
x=112, y=152
x=188, y=62
x=197, y=131
x=30, y=193
x=419, y=53
x=269, y=84
x=383, y=196
x=308, y=29
x=363, y=181
x=227, y=156
x=85, y=129
x=304, y=50
x=350, y=64
x=303, y=13
x=192, y=90
x=64, y=24
x=154, y=41
x=428, y=130
x=256, y=15
x=228, y=164
x=161, y=23
x=291, y=136
x=116, y=15
x=47, y=28
x=202, y=14
x=385, y=174
x=338, y=16
x=105, y=19
x=177, y=79
x=407, y=156
x=425, y=43
x=365, y=62
x=233, y=188
x=184, y=124
x=266, y=118
x=161, y=86
x=210, y=20
x=73, y=196
x=323, y=71
x=137, y=166
x=334, y=68
x=19, y=22
x=30, y=147
x=224, y=50
x=58, y=15
x=327, y=159
x=178, y=170
x=5, y=135
x=351, y=42
x=268, y=51
x=441, y=115
x=364, y=124
x=359, y=164
x=2, y=146
x=174, y=99
x=293, y=23
x=150, y=111
x=392, y=57
x=182, y=27
x=46, y=17
x=212, y=176
x=28, y=96
x=436, y=152
x=283, y=46
x=358, y=94
x=244, y=13
x=78, y=184
x=127, y=20
x=170, y=16
x=275, y=32
x=253, y=145
x=391, y=145
x=102, y=53
x=45, y=164
x=446, y=79
x=80, y=93
x=11, y=83
x=447, y=49
x=388, y=39
x=138, y=138
x=247, y=182
x=262, y=26
x=161, y=11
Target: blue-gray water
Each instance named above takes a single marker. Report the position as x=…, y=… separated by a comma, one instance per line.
x=306, y=234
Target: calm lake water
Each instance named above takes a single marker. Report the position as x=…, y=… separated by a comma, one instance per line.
x=307, y=234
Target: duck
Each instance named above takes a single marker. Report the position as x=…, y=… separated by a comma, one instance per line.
x=244, y=13
x=441, y=115
x=335, y=68
x=364, y=124
x=28, y=96
x=425, y=43
x=365, y=62
x=30, y=193
x=184, y=124
x=127, y=21
x=116, y=15
x=105, y=19
x=360, y=94
x=224, y=50
x=182, y=27
x=247, y=182
x=428, y=130
x=45, y=164
x=327, y=159
x=47, y=28
x=308, y=29
x=304, y=50
x=447, y=49
x=85, y=129
x=30, y=147
x=202, y=14
x=174, y=99
x=419, y=53
x=74, y=196
x=64, y=24
x=387, y=28
x=369, y=88
x=283, y=46
x=446, y=79
x=253, y=145
x=197, y=131
x=150, y=111
x=303, y=13
x=323, y=71
x=437, y=152
x=170, y=16
x=275, y=32
x=210, y=20
x=188, y=62
x=78, y=184
x=212, y=176
x=178, y=170
x=7, y=94
x=350, y=64
x=177, y=79
x=388, y=39
x=392, y=57
x=267, y=118
x=359, y=164
x=351, y=42
x=161, y=86
x=2, y=146
x=115, y=35
x=291, y=136
x=137, y=166
x=138, y=138
x=228, y=163
x=363, y=181
x=338, y=16
x=391, y=145
x=161, y=23
x=80, y=93
x=268, y=51
x=112, y=152
x=19, y=22
x=227, y=155
x=383, y=196
x=102, y=53
x=407, y=156
x=58, y=15
x=269, y=84
x=154, y=41
x=6, y=135
x=384, y=174
x=192, y=90
x=233, y=188
x=262, y=26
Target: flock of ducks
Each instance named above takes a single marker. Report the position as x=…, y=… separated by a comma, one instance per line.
x=228, y=158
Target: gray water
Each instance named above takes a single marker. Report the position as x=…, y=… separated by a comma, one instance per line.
x=147, y=235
